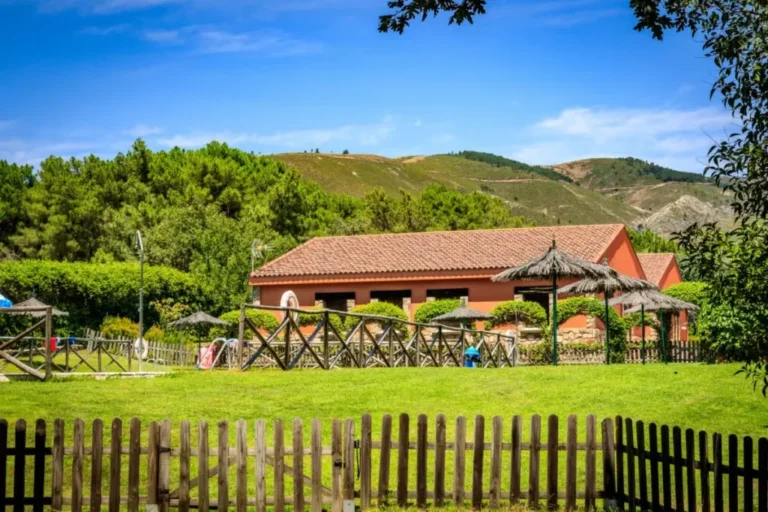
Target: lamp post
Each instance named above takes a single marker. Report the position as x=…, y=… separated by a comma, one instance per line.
x=139, y=246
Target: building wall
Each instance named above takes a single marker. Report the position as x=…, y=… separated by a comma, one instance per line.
x=484, y=294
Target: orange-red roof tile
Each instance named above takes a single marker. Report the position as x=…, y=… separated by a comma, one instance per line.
x=437, y=251
x=655, y=265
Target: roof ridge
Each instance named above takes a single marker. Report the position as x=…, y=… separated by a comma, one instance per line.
x=484, y=230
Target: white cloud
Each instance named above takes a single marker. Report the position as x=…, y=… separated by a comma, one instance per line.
x=33, y=152
x=211, y=39
x=161, y=36
x=362, y=135
x=105, y=31
x=102, y=6
x=661, y=135
x=143, y=130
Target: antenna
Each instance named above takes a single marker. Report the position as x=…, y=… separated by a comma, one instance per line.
x=258, y=250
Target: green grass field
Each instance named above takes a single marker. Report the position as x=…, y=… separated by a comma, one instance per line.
x=707, y=397
x=702, y=397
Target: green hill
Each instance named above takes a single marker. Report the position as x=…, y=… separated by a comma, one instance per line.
x=602, y=173
x=530, y=193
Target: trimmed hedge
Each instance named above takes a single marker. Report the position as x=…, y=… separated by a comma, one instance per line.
x=90, y=292
x=530, y=313
x=694, y=292
x=377, y=309
x=429, y=310
x=574, y=306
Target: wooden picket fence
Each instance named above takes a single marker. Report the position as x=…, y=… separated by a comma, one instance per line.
x=609, y=466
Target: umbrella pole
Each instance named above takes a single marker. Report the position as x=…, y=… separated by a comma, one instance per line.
x=663, y=337
x=642, y=326
x=607, y=336
x=554, y=318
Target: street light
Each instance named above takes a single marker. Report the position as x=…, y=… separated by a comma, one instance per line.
x=139, y=246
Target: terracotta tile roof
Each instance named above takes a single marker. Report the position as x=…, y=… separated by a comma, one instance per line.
x=654, y=265
x=437, y=251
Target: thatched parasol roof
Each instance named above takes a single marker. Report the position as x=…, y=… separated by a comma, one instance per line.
x=611, y=284
x=653, y=301
x=462, y=313
x=556, y=262
x=199, y=318
x=33, y=303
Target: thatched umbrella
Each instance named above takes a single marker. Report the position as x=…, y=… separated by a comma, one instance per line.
x=606, y=286
x=652, y=300
x=553, y=265
x=31, y=304
x=199, y=318
x=463, y=314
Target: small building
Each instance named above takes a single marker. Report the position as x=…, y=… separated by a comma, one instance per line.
x=663, y=270
x=409, y=269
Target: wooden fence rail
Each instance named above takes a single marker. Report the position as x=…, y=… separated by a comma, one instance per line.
x=341, y=464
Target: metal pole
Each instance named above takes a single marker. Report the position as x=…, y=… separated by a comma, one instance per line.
x=642, y=326
x=554, y=316
x=47, y=341
x=663, y=337
x=607, y=331
x=140, y=246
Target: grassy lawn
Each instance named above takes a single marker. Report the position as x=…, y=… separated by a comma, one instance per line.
x=702, y=397
x=707, y=397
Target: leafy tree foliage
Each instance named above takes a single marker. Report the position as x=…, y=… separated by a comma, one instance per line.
x=647, y=241
x=500, y=161
x=405, y=11
x=90, y=292
x=511, y=312
x=429, y=310
x=198, y=211
x=662, y=173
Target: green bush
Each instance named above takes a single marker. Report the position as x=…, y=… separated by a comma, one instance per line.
x=154, y=333
x=429, y=310
x=574, y=306
x=89, y=292
x=377, y=309
x=538, y=353
x=119, y=327
x=263, y=320
x=694, y=292
x=306, y=319
x=510, y=312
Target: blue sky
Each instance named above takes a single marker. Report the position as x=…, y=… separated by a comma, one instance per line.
x=540, y=81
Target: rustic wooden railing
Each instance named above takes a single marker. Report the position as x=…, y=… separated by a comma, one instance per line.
x=365, y=341
x=607, y=464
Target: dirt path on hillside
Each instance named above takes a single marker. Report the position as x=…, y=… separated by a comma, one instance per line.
x=413, y=159
x=508, y=180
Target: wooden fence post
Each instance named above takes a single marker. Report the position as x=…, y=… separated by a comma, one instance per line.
x=497, y=428
x=349, y=460
x=115, y=465
x=260, y=463
x=38, y=481
x=57, y=469
x=338, y=462
x=402, y=461
x=571, y=448
x=153, y=439
x=222, y=482
x=609, y=466
x=185, y=449
x=516, y=462
x=204, y=501
x=477, y=463
x=365, y=461
x=279, y=465
x=459, y=464
x=164, y=468
x=241, y=338
x=298, y=465
x=317, y=466
x=421, y=461
x=439, y=499
x=134, y=464
x=552, y=461
x=533, y=463
x=385, y=459
x=590, y=484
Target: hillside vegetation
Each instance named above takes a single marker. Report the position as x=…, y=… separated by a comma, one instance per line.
x=600, y=173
